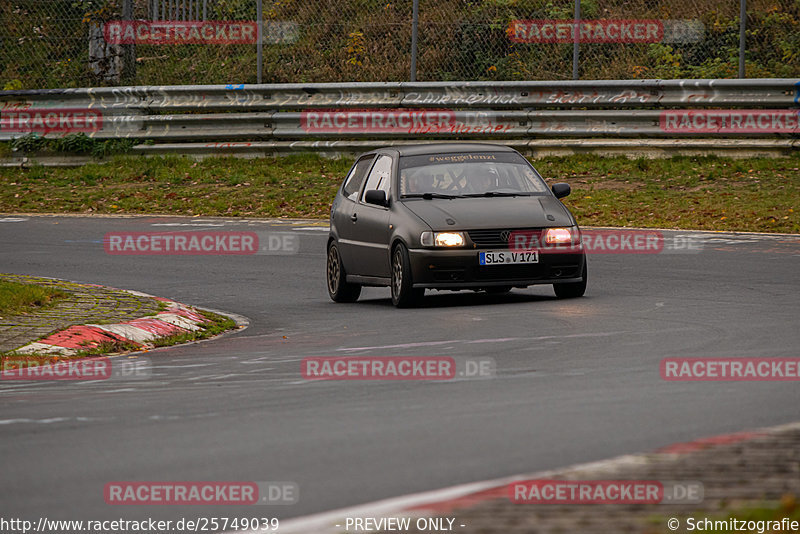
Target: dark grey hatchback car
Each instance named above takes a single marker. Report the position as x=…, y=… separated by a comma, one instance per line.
x=450, y=217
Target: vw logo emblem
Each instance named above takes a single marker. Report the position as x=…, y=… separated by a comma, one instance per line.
x=504, y=235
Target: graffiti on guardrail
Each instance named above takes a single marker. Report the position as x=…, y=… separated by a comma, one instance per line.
x=311, y=96
x=531, y=96
x=460, y=97
x=155, y=97
x=19, y=105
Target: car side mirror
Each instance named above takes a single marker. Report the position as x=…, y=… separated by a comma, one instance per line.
x=561, y=190
x=376, y=197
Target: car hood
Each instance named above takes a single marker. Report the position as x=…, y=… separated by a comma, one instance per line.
x=489, y=212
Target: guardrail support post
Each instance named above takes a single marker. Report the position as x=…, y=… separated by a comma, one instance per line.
x=575, y=45
x=414, y=31
x=128, y=50
x=260, y=43
x=742, y=30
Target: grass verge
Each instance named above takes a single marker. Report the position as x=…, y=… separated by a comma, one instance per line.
x=18, y=298
x=707, y=193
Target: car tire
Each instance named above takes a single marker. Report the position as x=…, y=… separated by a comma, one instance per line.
x=404, y=295
x=338, y=288
x=572, y=290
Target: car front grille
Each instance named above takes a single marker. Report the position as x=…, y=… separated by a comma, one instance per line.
x=494, y=238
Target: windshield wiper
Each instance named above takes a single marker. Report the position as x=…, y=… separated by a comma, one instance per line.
x=500, y=194
x=429, y=196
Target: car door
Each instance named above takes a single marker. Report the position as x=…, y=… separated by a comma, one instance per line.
x=370, y=224
x=346, y=207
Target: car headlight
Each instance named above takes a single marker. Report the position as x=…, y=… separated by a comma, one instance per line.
x=442, y=239
x=558, y=236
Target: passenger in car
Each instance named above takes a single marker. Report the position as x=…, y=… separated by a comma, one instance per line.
x=419, y=183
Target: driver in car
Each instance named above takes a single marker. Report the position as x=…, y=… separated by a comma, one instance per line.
x=480, y=179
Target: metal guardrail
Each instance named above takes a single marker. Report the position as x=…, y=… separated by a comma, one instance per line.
x=505, y=111
x=452, y=124
x=772, y=92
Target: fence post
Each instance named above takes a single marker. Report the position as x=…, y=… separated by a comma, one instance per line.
x=414, y=30
x=128, y=50
x=575, y=45
x=742, y=29
x=260, y=43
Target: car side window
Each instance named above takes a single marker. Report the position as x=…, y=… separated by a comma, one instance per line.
x=352, y=184
x=380, y=177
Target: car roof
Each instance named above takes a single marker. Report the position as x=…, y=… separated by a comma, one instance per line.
x=446, y=148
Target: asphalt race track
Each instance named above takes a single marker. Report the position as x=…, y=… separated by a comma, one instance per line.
x=576, y=380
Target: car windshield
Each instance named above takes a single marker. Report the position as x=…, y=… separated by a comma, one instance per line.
x=468, y=174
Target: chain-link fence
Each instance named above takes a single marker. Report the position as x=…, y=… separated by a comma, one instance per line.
x=75, y=43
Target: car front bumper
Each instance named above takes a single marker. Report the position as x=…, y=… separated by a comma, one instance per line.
x=459, y=269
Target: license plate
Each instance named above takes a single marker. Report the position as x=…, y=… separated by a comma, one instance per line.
x=506, y=257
